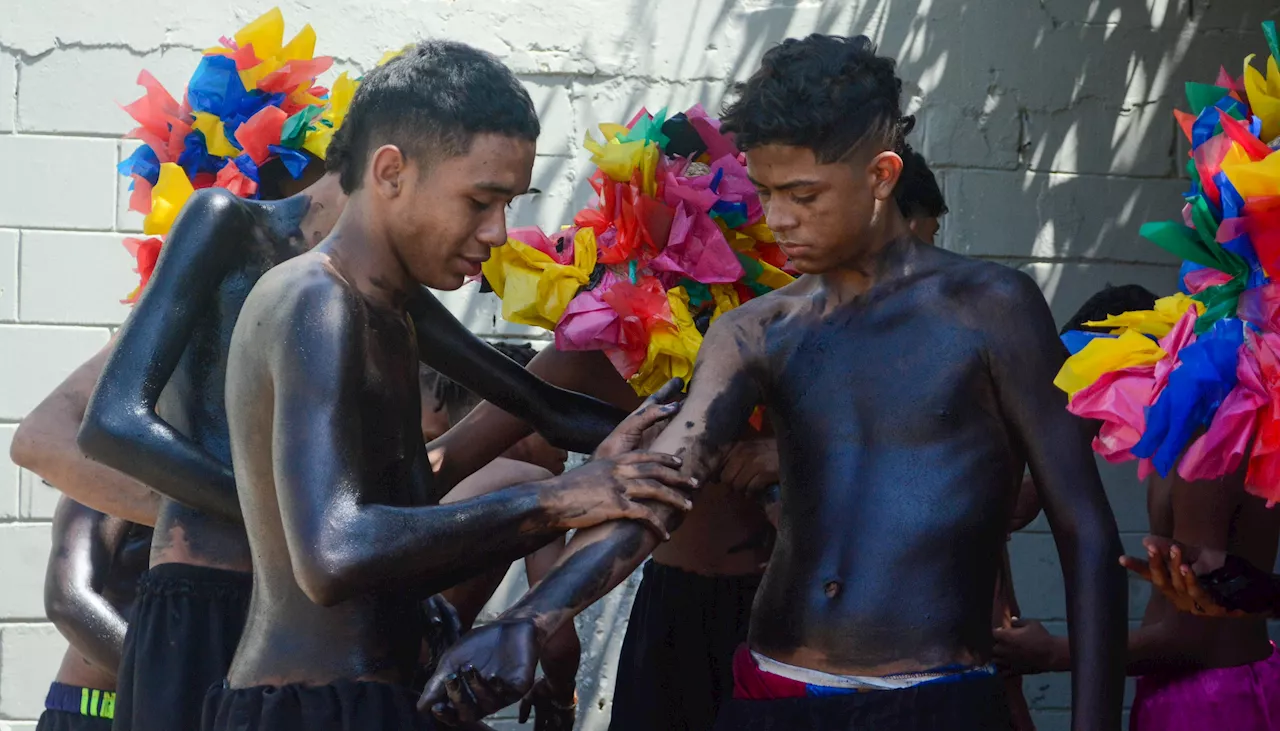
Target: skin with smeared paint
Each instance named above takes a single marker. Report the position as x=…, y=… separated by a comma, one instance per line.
x=93, y=571
x=908, y=388
x=322, y=400
x=158, y=412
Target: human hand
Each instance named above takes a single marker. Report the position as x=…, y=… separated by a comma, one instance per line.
x=489, y=669
x=642, y=425
x=1175, y=571
x=553, y=709
x=442, y=629
x=751, y=465
x=1027, y=648
x=610, y=489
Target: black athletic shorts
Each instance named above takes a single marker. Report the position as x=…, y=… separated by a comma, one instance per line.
x=969, y=705
x=345, y=705
x=186, y=623
x=72, y=708
x=676, y=666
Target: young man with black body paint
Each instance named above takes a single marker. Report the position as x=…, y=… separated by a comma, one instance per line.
x=899, y=472
x=322, y=403
x=94, y=566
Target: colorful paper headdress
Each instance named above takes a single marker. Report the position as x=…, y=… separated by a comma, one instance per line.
x=1196, y=382
x=253, y=99
x=674, y=238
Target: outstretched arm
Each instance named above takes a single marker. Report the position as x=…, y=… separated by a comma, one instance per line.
x=567, y=419
x=45, y=443
x=1024, y=355
x=121, y=428
x=488, y=431
x=84, y=541
x=343, y=540
x=504, y=653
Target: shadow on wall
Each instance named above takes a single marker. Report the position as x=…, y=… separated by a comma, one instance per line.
x=1050, y=123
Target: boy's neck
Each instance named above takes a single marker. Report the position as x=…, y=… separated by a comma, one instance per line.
x=361, y=250
x=325, y=201
x=884, y=260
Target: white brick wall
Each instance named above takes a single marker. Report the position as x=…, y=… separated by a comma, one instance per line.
x=1048, y=123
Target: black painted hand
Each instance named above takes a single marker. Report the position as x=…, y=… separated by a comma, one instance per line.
x=643, y=425
x=553, y=709
x=611, y=489
x=489, y=669
x=443, y=629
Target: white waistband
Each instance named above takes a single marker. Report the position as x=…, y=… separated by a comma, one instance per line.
x=858, y=682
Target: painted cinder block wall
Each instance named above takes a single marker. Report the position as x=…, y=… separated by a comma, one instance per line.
x=1048, y=122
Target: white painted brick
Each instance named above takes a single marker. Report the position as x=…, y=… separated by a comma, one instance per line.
x=1043, y=215
x=1094, y=136
x=17, y=726
x=10, y=475
x=74, y=91
x=481, y=313
x=8, y=91
x=126, y=220
x=72, y=277
x=25, y=547
x=38, y=499
x=555, y=113
x=556, y=202
x=38, y=358
x=54, y=182
x=986, y=135
x=8, y=275
x=30, y=655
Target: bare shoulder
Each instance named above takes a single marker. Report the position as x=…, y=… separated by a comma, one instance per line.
x=299, y=296
x=987, y=288
x=215, y=209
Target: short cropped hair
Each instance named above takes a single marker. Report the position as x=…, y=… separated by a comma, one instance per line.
x=825, y=93
x=431, y=101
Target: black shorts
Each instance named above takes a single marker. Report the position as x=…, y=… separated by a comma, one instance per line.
x=344, y=705
x=66, y=721
x=186, y=623
x=72, y=708
x=968, y=705
x=676, y=665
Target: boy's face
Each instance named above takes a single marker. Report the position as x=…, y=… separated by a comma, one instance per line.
x=445, y=219
x=822, y=213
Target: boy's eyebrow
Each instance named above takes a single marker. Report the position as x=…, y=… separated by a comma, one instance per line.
x=506, y=190
x=802, y=183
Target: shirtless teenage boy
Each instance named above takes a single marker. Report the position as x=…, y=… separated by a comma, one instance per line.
x=322, y=403
x=93, y=572
x=908, y=388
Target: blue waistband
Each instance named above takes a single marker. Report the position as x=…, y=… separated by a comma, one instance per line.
x=84, y=701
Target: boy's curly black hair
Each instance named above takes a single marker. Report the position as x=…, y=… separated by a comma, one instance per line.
x=826, y=93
